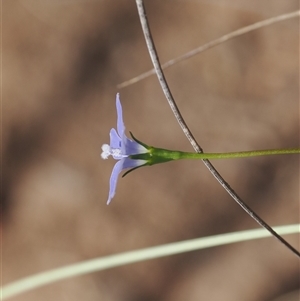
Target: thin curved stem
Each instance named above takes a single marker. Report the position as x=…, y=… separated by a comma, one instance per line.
x=107, y=262
x=211, y=44
x=188, y=133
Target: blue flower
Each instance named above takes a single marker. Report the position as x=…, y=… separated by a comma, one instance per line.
x=121, y=148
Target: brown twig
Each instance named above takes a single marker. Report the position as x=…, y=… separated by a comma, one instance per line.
x=211, y=44
x=187, y=132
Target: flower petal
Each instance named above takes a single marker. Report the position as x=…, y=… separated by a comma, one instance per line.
x=114, y=179
x=130, y=147
x=120, y=123
x=115, y=140
x=129, y=163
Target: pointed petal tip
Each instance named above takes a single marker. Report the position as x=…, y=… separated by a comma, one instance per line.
x=114, y=179
x=118, y=97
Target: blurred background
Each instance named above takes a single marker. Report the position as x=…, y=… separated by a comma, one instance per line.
x=62, y=62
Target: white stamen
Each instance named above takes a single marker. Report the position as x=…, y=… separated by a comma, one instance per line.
x=117, y=153
x=106, y=151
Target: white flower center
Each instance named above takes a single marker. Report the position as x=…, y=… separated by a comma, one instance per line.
x=109, y=151
x=106, y=152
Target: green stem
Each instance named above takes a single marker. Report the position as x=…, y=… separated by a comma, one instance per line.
x=156, y=155
x=168, y=155
x=244, y=154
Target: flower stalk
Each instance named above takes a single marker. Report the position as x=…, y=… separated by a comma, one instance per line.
x=163, y=155
x=156, y=155
x=132, y=154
